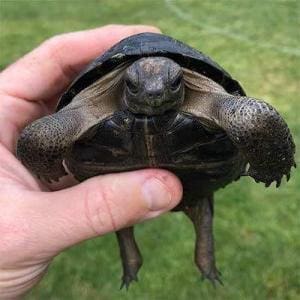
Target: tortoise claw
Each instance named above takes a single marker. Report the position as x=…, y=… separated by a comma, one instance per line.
x=214, y=276
x=267, y=184
x=288, y=176
x=278, y=182
x=127, y=279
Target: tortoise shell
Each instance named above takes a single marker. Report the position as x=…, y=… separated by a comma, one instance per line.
x=150, y=44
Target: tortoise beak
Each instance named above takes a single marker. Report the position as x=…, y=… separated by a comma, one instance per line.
x=155, y=98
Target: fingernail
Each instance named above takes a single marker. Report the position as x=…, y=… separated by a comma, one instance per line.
x=156, y=194
x=153, y=29
x=146, y=28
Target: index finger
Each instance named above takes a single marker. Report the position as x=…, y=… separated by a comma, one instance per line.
x=45, y=72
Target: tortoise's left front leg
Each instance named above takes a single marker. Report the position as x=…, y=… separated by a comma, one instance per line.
x=261, y=134
x=130, y=255
x=254, y=126
x=202, y=218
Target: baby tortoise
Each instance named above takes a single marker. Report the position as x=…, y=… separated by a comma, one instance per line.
x=154, y=102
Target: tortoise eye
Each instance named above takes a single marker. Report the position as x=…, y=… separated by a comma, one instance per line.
x=131, y=86
x=176, y=82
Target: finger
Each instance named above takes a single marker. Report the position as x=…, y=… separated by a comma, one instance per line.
x=104, y=204
x=46, y=71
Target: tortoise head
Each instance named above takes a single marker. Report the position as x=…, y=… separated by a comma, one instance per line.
x=153, y=85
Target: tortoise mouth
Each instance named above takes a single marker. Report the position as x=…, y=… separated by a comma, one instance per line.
x=151, y=108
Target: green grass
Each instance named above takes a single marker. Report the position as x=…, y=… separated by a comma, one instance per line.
x=257, y=230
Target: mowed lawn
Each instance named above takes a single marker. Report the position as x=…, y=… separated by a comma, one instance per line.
x=257, y=230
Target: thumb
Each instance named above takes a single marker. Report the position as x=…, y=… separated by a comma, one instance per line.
x=106, y=203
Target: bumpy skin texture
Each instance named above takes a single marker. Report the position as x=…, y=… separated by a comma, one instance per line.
x=44, y=144
x=261, y=134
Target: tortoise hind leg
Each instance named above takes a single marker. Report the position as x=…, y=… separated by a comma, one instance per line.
x=130, y=255
x=202, y=218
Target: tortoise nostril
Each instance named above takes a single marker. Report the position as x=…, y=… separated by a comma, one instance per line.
x=154, y=94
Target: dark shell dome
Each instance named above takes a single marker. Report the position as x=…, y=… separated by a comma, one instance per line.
x=150, y=44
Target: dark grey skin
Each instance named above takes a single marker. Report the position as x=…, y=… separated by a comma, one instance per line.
x=153, y=86
x=158, y=114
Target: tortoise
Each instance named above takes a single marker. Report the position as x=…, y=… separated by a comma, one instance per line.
x=154, y=102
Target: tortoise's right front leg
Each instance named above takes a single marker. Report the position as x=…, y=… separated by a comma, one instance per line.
x=44, y=143
x=130, y=255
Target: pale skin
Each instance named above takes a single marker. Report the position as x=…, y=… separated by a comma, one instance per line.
x=37, y=223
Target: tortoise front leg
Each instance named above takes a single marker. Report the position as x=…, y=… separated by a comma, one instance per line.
x=254, y=126
x=43, y=144
x=202, y=218
x=261, y=134
x=130, y=255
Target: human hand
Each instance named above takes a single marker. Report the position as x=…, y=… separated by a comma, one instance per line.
x=35, y=223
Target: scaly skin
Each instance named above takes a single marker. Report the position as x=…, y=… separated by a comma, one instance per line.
x=261, y=134
x=130, y=255
x=202, y=219
x=43, y=144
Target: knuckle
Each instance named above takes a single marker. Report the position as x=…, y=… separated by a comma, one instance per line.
x=57, y=47
x=55, y=43
x=98, y=206
x=111, y=27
